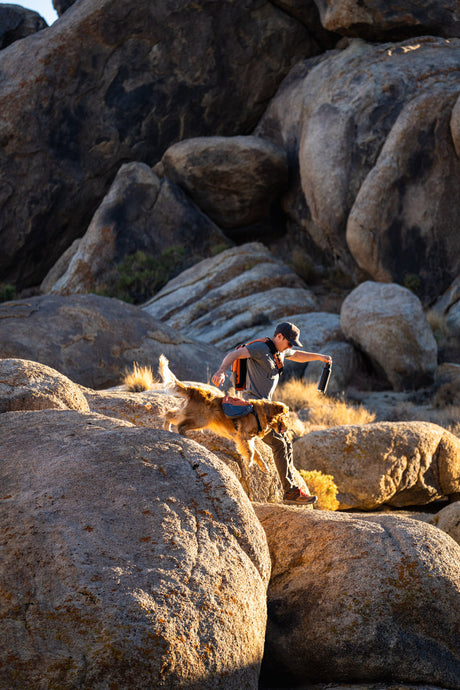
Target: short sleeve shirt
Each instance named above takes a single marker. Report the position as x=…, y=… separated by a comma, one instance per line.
x=262, y=374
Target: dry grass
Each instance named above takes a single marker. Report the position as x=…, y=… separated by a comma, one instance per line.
x=323, y=486
x=139, y=379
x=323, y=410
x=437, y=322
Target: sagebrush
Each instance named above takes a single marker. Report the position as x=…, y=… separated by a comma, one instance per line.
x=323, y=486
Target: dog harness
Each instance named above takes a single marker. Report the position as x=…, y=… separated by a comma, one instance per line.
x=235, y=408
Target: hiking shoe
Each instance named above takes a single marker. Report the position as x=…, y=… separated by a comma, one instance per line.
x=298, y=497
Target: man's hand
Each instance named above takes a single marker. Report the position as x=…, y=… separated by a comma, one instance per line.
x=218, y=378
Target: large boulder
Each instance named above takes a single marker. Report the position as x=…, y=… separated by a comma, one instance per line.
x=235, y=180
x=110, y=83
x=388, y=323
x=140, y=213
x=398, y=463
x=377, y=19
x=143, y=408
x=222, y=299
x=370, y=128
x=92, y=340
x=26, y=385
x=18, y=22
x=360, y=600
x=130, y=558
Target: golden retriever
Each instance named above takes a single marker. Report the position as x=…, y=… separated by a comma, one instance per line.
x=202, y=409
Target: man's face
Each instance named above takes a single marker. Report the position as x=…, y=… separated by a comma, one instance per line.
x=282, y=343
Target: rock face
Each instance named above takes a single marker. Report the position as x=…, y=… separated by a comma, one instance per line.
x=234, y=180
x=387, y=322
x=373, y=598
x=18, y=22
x=398, y=463
x=376, y=19
x=110, y=84
x=92, y=339
x=139, y=213
x=26, y=385
x=131, y=558
x=222, y=300
x=369, y=126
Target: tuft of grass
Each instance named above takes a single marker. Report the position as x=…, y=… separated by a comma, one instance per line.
x=323, y=486
x=323, y=410
x=139, y=379
x=438, y=324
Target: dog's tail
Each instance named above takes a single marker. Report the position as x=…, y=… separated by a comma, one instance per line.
x=171, y=383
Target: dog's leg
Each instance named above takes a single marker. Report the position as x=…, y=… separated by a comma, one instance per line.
x=247, y=450
x=171, y=418
x=259, y=459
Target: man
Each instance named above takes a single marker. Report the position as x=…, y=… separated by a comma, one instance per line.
x=261, y=380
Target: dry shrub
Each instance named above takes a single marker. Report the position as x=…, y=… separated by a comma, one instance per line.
x=139, y=379
x=323, y=486
x=323, y=410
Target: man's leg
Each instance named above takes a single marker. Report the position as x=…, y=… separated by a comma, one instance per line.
x=283, y=457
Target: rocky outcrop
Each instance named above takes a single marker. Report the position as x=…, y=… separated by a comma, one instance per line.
x=223, y=300
x=377, y=19
x=26, y=385
x=62, y=5
x=448, y=519
x=140, y=213
x=387, y=322
x=397, y=463
x=373, y=598
x=141, y=549
x=110, y=85
x=368, y=129
x=93, y=339
x=18, y=22
x=234, y=180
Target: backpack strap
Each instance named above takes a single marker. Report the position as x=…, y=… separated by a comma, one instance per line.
x=239, y=365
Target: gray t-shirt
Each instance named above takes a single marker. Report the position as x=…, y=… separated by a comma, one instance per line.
x=262, y=373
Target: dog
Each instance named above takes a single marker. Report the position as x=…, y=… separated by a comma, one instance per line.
x=202, y=409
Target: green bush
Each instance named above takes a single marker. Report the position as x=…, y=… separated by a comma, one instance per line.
x=7, y=292
x=141, y=275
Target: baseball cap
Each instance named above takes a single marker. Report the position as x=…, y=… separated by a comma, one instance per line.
x=290, y=332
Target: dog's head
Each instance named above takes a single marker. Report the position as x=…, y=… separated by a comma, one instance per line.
x=279, y=417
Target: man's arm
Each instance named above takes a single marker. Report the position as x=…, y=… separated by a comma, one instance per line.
x=302, y=356
x=241, y=353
